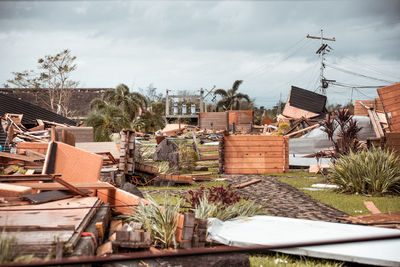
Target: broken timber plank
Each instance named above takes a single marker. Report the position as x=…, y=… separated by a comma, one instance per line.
x=254, y=181
x=57, y=186
x=18, y=157
x=303, y=130
x=11, y=190
x=371, y=207
x=25, y=177
x=209, y=157
x=69, y=186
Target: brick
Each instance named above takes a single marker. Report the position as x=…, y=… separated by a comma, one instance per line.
x=146, y=237
x=185, y=244
x=135, y=236
x=188, y=219
x=187, y=233
x=123, y=235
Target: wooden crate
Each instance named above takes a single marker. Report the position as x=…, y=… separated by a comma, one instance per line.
x=255, y=154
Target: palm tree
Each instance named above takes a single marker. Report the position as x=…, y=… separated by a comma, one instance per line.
x=115, y=110
x=129, y=102
x=231, y=98
x=105, y=120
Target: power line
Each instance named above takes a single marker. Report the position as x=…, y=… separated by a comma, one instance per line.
x=358, y=74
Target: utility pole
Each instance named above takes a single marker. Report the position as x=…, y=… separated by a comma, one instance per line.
x=322, y=51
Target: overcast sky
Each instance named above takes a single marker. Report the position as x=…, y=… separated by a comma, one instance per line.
x=188, y=45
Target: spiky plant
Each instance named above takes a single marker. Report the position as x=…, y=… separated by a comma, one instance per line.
x=159, y=221
x=245, y=208
x=374, y=171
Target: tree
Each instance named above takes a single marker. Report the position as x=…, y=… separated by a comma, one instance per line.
x=106, y=119
x=53, y=79
x=231, y=99
x=115, y=110
x=131, y=103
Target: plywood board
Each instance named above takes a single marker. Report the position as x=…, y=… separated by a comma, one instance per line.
x=74, y=164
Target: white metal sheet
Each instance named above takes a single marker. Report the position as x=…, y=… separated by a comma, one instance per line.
x=271, y=230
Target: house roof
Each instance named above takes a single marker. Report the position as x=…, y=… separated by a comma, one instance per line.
x=30, y=111
x=79, y=103
x=307, y=100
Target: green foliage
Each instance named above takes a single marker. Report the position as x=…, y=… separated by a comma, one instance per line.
x=231, y=99
x=115, y=110
x=282, y=128
x=159, y=221
x=106, y=120
x=8, y=253
x=282, y=260
x=149, y=122
x=244, y=208
x=187, y=157
x=347, y=131
x=374, y=171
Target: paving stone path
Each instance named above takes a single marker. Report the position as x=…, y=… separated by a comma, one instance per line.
x=280, y=199
x=283, y=200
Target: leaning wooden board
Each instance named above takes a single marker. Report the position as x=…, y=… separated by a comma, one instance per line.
x=37, y=227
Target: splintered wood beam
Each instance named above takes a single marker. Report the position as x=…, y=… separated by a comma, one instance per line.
x=374, y=121
x=69, y=186
x=254, y=181
x=31, y=177
x=302, y=130
x=17, y=157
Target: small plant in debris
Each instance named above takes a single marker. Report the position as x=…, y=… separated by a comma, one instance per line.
x=244, y=208
x=217, y=194
x=282, y=128
x=347, y=131
x=374, y=171
x=159, y=221
x=187, y=158
x=8, y=253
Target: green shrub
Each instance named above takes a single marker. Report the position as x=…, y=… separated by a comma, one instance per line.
x=374, y=171
x=159, y=221
x=244, y=208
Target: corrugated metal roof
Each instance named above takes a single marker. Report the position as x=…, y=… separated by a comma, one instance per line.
x=307, y=100
x=31, y=112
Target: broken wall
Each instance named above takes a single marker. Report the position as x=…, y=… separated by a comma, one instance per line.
x=359, y=110
x=390, y=96
x=255, y=154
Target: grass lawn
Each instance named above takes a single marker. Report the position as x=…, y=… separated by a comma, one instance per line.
x=349, y=203
x=278, y=259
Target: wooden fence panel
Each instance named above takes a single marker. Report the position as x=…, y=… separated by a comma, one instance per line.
x=213, y=120
x=255, y=154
